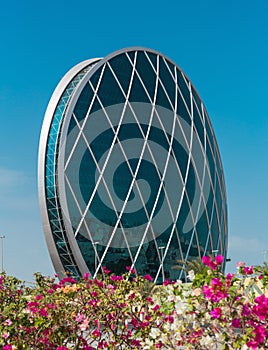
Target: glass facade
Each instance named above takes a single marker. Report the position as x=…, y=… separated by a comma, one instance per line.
x=131, y=172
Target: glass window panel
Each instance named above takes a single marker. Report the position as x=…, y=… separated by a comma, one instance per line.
x=167, y=81
x=146, y=73
x=123, y=75
x=131, y=55
x=197, y=100
x=202, y=230
x=198, y=124
x=182, y=112
x=83, y=103
x=184, y=88
x=95, y=77
x=153, y=59
x=214, y=231
x=211, y=163
x=109, y=92
x=162, y=99
x=138, y=93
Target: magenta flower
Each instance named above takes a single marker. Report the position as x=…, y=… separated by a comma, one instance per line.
x=43, y=312
x=216, y=313
x=105, y=270
x=219, y=259
x=128, y=268
x=7, y=347
x=236, y=323
x=206, y=260
x=166, y=282
x=86, y=276
x=148, y=277
x=96, y=333
x=67, y=280
x=116, y=278
x=248, y=270
x=135, y=342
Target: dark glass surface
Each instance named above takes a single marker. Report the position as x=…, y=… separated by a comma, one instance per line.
x=147, y=73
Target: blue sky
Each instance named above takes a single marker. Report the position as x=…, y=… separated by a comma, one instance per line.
x=221, y=46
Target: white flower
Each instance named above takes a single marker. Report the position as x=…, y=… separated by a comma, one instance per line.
x=206, y=341
x=155, y=332
x=181, y=307
x=191, y=275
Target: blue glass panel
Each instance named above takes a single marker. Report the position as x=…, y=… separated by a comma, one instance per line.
x=183, y=86
x=138, y=93
x=146, y=73
x=215, y=231
x=202, y=230
x=109, y=91
x=162, y=98
x=211, y=163
x=95, y=78
x=131, y=55
x=153, y=59
x=123, y=75
x=167, y=81
x=181, y=109
x=198, y=125
x=83, y=103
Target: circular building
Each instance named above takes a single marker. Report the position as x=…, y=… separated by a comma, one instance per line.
x=129, y=169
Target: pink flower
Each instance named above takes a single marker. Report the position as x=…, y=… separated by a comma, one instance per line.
x=206, y=260
x=6, y=335
x=134, y=322
x=207, y=291
x=150, y=300
x=105, y=270
x=236, y=323
x=240, y=264
x=79, y=317
x=128, y=268
x=166, y=282
x=67, y=280
x=261, y=307
x=219, y=259
x=84, y=325
x=131, y=296
x=148, y=277
x=43, y=312
x=8, y=322
x=96, y=333
x=216, y=313
x=7, y=347
x=86, y=276
x=116, y=278
x=135, y=342
x=156, y=307
x=248, y=270
x=61, y=348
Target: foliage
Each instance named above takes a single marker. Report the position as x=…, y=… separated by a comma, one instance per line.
x=196, y=265
x=126, y=312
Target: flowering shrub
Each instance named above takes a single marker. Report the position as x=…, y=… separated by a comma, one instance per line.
x=128, y=312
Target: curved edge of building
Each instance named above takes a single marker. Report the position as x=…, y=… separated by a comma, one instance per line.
x=46, y=134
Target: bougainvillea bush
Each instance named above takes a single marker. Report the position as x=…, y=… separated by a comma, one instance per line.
x=214, y=311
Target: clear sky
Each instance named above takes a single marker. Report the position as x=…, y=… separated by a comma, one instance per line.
x=221, y=45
